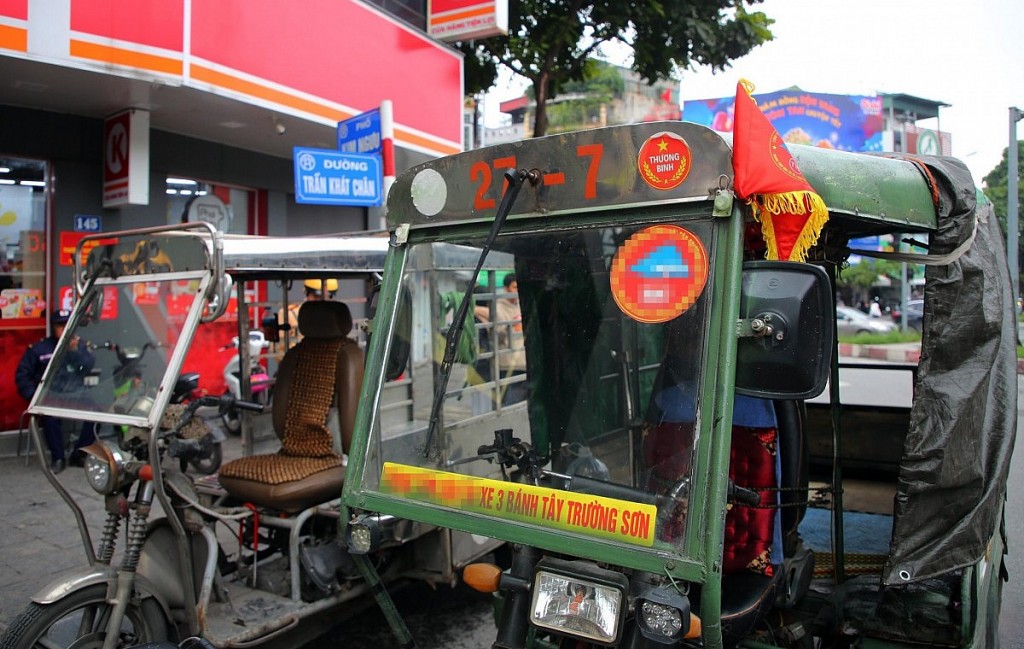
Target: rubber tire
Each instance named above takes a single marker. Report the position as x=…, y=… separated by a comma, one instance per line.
x=232, y=422
x=36, y=620
x=210, y=465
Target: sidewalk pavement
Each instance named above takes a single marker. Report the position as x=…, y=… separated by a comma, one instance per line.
x=898, y=353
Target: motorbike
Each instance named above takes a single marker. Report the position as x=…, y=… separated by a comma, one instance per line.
x=260, y=381
x=180, y=555
x=124, y=474
x=128, y=379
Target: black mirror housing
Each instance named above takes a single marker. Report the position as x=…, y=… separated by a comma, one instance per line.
x=786, y=330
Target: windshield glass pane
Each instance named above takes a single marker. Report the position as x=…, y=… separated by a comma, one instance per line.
x=114, y=359
x=605, y=402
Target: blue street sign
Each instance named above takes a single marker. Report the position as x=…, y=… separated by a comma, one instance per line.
x=88, y=223
x=360, y=134
x=327, y=177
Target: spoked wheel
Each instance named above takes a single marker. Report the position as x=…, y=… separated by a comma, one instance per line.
x=79, y=621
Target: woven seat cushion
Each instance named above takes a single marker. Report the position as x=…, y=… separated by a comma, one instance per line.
x=288, y=496
x=306, y=470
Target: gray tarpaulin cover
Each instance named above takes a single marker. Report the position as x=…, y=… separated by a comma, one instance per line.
x=952, y=480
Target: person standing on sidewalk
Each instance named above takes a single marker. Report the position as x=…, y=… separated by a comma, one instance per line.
x=509, y=329
x=29, y=374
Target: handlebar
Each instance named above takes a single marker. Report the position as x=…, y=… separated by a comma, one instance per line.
x=742, y=495
x=183, y=448
x=224, y=403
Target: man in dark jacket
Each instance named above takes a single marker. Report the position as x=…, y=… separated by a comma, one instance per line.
x=30, y=373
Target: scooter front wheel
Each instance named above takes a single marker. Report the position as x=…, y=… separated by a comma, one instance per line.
x=80, y=621
x=232, y=421
x=208, y=465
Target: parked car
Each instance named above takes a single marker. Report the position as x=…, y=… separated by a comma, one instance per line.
x=915, y=315
x=850, y=322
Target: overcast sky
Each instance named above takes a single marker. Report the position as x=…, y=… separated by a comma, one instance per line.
x=966, y=53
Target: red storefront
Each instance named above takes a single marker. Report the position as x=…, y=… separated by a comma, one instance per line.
x=229, y=86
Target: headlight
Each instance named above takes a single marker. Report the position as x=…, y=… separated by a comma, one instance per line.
x=579, y=599
x=663, y=615
x=104, y=467
x=370, y=532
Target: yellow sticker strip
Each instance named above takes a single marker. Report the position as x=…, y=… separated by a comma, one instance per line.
x=596, y=516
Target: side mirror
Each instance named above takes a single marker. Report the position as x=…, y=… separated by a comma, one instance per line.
x=786, y=330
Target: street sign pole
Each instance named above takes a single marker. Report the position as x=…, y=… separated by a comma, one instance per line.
x=387, y=154
x=1012, y=213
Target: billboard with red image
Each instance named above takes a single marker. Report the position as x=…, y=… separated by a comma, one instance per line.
x=844, y=122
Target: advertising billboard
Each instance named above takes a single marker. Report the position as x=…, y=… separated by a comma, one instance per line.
x=845, y=122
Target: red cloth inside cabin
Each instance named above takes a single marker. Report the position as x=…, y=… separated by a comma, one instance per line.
x=749, y=530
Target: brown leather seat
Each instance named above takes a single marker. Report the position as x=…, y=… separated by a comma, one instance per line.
x=325, y=367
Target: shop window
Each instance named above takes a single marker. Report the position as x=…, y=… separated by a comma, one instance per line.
x=22, y=238
x=230, y=209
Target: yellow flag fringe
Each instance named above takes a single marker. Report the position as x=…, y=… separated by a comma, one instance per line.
x=766, y=207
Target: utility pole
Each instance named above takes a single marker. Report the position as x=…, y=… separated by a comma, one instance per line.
x=1012, y=209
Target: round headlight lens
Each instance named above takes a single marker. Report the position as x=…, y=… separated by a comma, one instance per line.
x=99, y=474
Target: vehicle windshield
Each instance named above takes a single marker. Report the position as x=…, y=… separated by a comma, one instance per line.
x=117, y=350
x=585, y=344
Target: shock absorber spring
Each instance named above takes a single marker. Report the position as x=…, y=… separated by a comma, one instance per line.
x=108, y=539
x=136, y=537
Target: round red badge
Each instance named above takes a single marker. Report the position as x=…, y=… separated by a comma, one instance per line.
x=658, y=273
x=664, y=160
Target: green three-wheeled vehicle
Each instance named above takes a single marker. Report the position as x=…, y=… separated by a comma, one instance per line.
x=635, y=412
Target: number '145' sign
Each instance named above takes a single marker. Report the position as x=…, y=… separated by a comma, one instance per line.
x=88, y=223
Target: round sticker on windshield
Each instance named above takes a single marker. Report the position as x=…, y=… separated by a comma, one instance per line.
x=658, y=273
x=664, y=160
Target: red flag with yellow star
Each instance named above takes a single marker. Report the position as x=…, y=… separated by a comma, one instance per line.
x=768, y=178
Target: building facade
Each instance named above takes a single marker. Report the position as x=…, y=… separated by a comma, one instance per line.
x=223, y=89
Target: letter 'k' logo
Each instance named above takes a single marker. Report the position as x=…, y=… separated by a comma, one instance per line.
x=117, y=149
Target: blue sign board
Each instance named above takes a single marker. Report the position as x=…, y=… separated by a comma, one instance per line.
x=360, y=134
x=327, y=177
x=88, y=223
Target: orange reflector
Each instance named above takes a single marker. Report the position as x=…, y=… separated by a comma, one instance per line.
x=146, y=472
x=483, y=577
x=694, y=631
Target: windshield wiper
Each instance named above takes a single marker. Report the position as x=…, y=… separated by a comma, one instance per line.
x=515, y=179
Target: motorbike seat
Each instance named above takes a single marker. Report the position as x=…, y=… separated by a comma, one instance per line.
x=325, y=368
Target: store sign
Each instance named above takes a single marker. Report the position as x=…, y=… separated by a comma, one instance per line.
x=327, y=177
x=927, y=143
x=69, y=243
x=460, y=20
x=208, y=208
x=361, y=134
x=126, y=159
